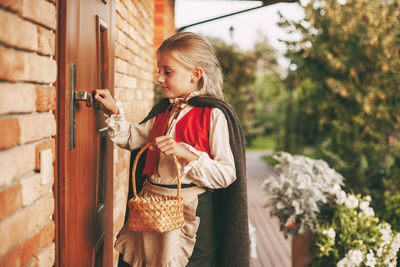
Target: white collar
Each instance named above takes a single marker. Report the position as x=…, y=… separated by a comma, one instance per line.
x=192, y=94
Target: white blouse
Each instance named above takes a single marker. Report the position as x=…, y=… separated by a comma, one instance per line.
x=215, y=172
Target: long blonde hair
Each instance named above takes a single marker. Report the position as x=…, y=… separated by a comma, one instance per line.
x=194, y=51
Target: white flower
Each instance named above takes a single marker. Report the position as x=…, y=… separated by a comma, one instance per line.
x=341, y=197
x=296, y=205
x=335, y=189
x=355, y=257
x=364, y=205
x=343, y=263
x=396, y=243
x=380, y=252
x=280, y=205
x=369, y=212
x=300, y=188
x=351, y=202
x=386, y=232
x=371, y=260
x=342, y=2
x=330, y=233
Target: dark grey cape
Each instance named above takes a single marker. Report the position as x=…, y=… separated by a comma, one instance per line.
x=230, y=204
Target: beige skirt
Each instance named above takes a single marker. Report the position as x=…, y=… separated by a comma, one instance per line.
x=172, y=249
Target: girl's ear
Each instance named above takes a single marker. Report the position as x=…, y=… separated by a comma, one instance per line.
x=197, y=73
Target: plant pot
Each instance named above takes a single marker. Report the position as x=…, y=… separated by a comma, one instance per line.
x=301, y=244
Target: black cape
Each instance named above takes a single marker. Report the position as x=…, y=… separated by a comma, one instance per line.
x=230, y=204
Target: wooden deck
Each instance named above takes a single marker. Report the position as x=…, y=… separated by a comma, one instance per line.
x=273, y=250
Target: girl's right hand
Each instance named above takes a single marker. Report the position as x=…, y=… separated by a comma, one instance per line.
x=107, y=101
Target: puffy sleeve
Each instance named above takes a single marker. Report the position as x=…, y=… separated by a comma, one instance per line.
x=126, y=134
x=217, y=171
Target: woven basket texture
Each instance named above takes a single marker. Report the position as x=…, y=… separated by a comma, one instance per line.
x=155, y=213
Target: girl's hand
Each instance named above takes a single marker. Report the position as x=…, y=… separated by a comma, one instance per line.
x=107, y=101
x=168, y=146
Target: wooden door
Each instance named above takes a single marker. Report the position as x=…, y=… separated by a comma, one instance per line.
x=85, y=153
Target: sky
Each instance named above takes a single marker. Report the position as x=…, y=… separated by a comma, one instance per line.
x=247, y=26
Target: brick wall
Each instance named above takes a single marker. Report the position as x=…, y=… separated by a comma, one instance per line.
x=27, y=129
x=164, y=26
x=133, y=83
x=27, y=123
x=163, y=21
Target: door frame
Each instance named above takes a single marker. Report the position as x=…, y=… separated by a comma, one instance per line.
x=62, y=138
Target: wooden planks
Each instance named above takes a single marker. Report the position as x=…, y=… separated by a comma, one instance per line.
x=273, y=250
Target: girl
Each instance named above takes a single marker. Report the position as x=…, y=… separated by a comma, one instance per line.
x=193, y=123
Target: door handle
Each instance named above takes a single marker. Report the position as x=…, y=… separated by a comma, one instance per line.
x=75, y=96
x=83, y=96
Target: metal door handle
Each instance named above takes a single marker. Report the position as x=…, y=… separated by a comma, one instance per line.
x=84, y=96
x=73, y=97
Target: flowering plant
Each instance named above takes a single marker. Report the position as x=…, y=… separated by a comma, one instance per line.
x=353, y=236
x=346, y=230
x=296, y=195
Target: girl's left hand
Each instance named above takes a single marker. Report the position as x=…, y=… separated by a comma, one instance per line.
x=169, y=146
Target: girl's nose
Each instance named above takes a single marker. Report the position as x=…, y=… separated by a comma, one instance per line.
x=160, y=78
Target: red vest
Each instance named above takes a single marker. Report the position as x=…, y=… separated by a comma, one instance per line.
x=192, y=129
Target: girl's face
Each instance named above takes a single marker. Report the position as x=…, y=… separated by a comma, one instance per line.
x=176, y=80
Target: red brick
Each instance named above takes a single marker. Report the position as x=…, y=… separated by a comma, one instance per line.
x=25, y=66
x=45, y=98
x=46, y=257
x=24, y=252
x=13, y=64
x=121, y=9
x=40, y=11
x=124, y=94
x=131, y=7
x=37, y=126
x=125, y=81
x=32, y=188
x=32, y=263
x=37, y=242
x=41, y=69
x=17, y=32
x=11, y=4
x=158, y=21
x=10, y=132
x=10, y=199
x=11, y=259
x=42, y=146
x=16, y=162
x=159, y=8
x=15, y=227
x=46, y=41
x=17, y=98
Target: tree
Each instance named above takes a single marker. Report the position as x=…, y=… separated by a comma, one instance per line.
x=252, y=85
x=347, y=88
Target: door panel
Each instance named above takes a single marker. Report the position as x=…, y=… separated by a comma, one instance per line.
x=85, y=153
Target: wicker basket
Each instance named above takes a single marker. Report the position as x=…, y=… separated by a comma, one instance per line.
x=155, y=213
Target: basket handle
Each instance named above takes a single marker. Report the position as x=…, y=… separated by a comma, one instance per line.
x=178, y=173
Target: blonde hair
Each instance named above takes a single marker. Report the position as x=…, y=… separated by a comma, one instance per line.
x=194, y=51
